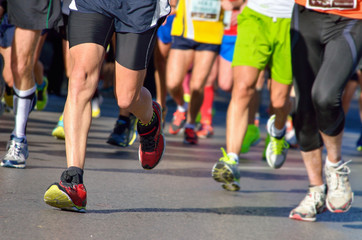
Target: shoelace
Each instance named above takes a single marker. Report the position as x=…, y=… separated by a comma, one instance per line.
x=15, y=149
x=311, y=200
x=225, y=158
x=278, y=145
x=147, y=143
x=336, y=174
x=178, y=118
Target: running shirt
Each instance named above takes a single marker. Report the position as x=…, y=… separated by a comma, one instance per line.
x=198, y=21
x=354, y=10
x=272, y=8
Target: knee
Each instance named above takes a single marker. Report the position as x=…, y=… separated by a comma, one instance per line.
x=242, y=91
x=324, y=100
x=125, y=100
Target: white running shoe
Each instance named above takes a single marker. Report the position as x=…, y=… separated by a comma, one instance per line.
x=17, y=154
x=340, y=195
x=312, y=204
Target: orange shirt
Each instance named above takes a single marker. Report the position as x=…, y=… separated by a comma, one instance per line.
x=353, y=13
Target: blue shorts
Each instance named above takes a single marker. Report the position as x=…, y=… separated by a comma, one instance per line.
x=6, y=32
x=227, y=47
x=164, y=31
x=187, y=44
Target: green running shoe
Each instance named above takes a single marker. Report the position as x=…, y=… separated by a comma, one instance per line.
x=42, y=95
x=252, y=138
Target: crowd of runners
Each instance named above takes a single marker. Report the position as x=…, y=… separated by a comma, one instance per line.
x=198, y=46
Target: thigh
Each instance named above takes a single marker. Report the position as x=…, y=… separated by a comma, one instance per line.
x=89, y=28
x=281, y=60
x=203, y=61
x=252, y=47
x=134, y=50
x=178, y=64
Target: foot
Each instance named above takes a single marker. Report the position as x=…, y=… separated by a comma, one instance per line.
x=190, y=136
x=178, y=122
x=42, y=95
x=124, y=133
x=58, y=131
x=340, y=195
x=67, y=194
x=252, y=138
x=17, y=153
x=152, y=142
x=277, y=149
x=312, y=204
x=226, y=171
x=205, y=131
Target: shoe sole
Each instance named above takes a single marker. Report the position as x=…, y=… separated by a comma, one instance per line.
x=59, y=199
x=298, y=217
x=343, y=209
x=223, y=174
x=8, y=164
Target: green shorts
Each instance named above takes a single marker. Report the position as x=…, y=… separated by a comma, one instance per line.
x=263, y=41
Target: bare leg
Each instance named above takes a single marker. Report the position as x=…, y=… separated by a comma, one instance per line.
x=87, y=59
x=245, y=79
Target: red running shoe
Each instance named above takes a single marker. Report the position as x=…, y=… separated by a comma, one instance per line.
x=205, y=131
x=152, y=143
x=72, y=197
x=178, y=122
x=190, y=136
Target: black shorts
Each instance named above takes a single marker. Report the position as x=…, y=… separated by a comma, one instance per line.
x=133, y=50
x=35, y=14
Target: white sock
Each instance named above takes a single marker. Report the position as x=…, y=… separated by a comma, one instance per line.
x=331, y=164
x=277, y=133
x=181, y=108
x=234, y=156
x=23, y=105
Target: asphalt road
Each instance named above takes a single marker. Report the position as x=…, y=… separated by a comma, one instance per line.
x=176, y=200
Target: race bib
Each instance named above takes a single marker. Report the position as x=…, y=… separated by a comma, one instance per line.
x=205, y=10
x=331, y=4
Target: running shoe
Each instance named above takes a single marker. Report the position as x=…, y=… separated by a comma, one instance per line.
x=124, y=133
x=359, y=144
x=190, y=136
x=340, y=195
x=58, y=131
x=17, y=153
x=277, y=149
x=205, y=131
x=312, y=204
x=67, y=195
x=96, y=106
x=226, y=171
x=178, y=122
x=152, y=143
x=42, y=95
x=252, y=138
